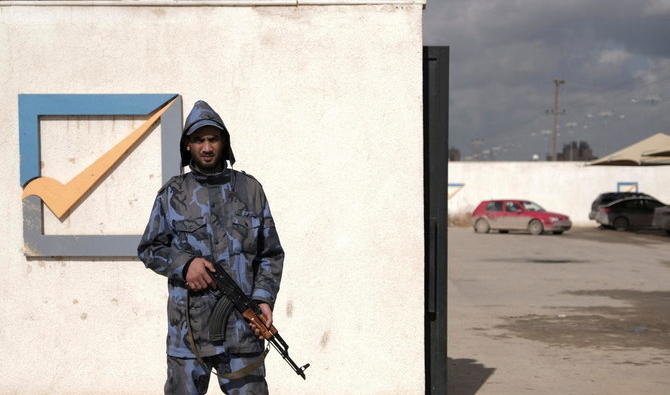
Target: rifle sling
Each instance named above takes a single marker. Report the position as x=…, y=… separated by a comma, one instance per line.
x=232, y=375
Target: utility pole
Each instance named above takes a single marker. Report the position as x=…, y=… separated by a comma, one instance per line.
x=556, y=113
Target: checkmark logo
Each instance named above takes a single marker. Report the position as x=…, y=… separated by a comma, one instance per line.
x=61, y=199
x=454, y=189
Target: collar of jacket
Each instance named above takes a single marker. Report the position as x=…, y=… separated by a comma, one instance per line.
x=221, y=177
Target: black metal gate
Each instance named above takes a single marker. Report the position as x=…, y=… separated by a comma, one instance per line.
x=435, y=155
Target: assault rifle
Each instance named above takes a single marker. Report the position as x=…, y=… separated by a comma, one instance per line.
x=234, y=298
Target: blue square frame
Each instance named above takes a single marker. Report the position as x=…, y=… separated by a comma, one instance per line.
x=31, y=107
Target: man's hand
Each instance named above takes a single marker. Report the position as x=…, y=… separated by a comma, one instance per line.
x=267, y=318
x=197, y=276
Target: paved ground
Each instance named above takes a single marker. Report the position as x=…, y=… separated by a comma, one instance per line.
x=587, y=312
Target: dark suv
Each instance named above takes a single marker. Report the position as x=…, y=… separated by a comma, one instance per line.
x=629, y=213
x=608, y=197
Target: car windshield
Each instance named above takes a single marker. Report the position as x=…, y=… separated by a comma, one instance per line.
x=530, y=206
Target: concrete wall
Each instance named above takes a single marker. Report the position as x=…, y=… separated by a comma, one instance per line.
x=323, y=103
x=564, y=187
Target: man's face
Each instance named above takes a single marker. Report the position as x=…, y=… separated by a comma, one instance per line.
x=206, y=148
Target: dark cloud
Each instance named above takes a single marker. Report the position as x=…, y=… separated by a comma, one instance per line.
x=614, y=56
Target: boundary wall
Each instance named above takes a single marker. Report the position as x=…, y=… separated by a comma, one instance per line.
x=323, y=99
x=563, y=187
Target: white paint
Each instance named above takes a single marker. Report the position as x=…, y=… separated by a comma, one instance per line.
x=324, y=105
x=563, y=187
x=209, y=3
x=75, y=143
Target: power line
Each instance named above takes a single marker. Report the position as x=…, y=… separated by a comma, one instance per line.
x=617, y=87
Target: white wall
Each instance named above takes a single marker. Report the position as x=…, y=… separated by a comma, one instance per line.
x=323, y=103
x=564, y=187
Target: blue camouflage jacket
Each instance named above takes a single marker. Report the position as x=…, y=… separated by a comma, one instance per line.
x=225, y=217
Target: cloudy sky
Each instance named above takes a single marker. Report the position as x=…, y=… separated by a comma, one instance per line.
x=614, y=56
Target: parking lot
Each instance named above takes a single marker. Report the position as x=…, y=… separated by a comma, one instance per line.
x=586, y=312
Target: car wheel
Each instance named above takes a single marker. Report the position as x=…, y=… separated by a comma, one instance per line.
x=620, y=224
x=535, y=227
x=482, y=226
x=558, y=232
x=503, y=231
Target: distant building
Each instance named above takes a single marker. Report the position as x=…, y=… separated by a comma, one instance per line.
x=576, y=151
x=454, y=154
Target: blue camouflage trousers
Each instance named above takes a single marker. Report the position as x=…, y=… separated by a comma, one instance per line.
x=187, y=376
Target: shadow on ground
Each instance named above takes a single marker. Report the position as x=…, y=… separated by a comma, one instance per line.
x=637, y=237
x=466, y=376
x=642, y=237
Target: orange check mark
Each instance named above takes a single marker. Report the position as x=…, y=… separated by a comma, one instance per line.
x=61, y=199
x=452, y=194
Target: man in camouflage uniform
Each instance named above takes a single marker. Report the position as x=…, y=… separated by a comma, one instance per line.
x=212, y=213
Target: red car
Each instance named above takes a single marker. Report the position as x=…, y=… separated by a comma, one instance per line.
x=511, y=214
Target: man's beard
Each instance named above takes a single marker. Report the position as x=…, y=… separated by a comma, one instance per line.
x=212, y=167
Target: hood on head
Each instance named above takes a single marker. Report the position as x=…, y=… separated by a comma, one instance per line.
x=204, y=115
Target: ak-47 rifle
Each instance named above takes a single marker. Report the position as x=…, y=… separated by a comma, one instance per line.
x=234, y=298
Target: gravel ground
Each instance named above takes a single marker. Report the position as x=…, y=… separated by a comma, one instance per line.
x=587, y=312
